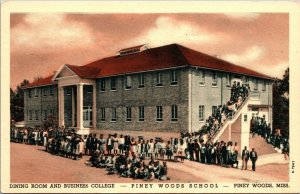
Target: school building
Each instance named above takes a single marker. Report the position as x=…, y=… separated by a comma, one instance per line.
x=167, y=88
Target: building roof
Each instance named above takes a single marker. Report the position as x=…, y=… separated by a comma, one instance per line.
x=42, y=82
x=164, y=57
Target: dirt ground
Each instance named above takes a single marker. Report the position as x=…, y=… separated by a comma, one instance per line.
x=31, y=164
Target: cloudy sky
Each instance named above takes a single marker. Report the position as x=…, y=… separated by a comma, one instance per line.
x=41, y=43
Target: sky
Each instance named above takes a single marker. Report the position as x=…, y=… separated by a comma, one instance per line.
x=41, y=43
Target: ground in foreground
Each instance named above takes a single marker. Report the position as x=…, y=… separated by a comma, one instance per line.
x=31, y=164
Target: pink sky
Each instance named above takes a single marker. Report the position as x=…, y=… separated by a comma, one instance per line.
x=41, y=43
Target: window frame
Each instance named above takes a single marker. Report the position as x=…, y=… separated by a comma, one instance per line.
x=113, y=87
x=159, y=113
x=128, y=82
x=128, y=114
x=201, y=113
x=141, y=113
x=264, y=86
x=159, y=79
x=202, y=78
x=141, y=78
x=102, y=85
x=51, y=90
x=102, y=115
x=174, y=77
x=174, y=112
x=214, y=79
x=228, y=80
x=214, y=109
x=113, y=114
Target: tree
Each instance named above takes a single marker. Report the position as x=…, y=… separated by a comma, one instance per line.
x=17, y=102
x=281, y=104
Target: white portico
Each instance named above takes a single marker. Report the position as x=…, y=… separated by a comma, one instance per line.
x=72, y=112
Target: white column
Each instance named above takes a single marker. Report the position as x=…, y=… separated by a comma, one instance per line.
x=80, y=106
x=229, y=132
x=73, y=108
x=61, y=106
x=94, y=106
x=190, y=101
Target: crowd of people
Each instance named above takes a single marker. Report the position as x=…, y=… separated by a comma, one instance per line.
x=130, y=166
x=259, y=126
x=238, y=95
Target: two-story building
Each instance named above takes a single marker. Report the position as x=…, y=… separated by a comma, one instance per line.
x=167, y=88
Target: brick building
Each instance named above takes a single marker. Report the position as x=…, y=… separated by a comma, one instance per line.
x=168, y=88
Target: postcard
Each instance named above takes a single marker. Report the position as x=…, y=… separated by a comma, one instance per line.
x=149, y=97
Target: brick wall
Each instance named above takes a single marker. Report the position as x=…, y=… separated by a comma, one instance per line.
x=149, y=96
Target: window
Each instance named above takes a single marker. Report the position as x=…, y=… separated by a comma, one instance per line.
x=202, y=78
x=159, y=113
x=85, y=115
x=45, y=114
x=51, y=90
x=228, y=80
x=30, y=114
x=174, y=113
x=214, y=110
x=201, y=112
x=247, y=81
x=114, y=114
x=36, y=115
x=264, y=86
x=158, y=79
x=102, y=114
x=128, y=113
x=174, y=77
x=128, y=82
x=45, y=91
x=214, y=78
x=29, y=93
x=245, y=118
x=255, y=84
x=70, y=115
x=102, y=85
x=141, y=80
x=68, y=91
x=141, y=113
x=113, y=84
x=35, y=92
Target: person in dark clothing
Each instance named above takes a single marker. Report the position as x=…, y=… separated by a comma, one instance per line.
x=245, y=158
x=253, y=157
x=196, y=149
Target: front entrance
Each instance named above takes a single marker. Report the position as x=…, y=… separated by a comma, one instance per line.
x=87, y=116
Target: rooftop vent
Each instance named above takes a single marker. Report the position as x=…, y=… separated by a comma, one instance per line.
x=132, y=50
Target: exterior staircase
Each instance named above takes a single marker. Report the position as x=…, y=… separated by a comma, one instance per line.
x=214, y=138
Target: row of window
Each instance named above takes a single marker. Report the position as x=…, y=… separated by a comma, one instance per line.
x=228, y=81
x=36, y=113
x=45, y=91
x=141, y=81
x=141, y=111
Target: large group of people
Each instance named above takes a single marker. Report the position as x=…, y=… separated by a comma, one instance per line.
x=259, y=126
x=130, y=166
x=137, y=157
x=238, y=95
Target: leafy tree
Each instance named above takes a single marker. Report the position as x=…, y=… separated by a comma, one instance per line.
x=17, y=102
x=281, y=104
